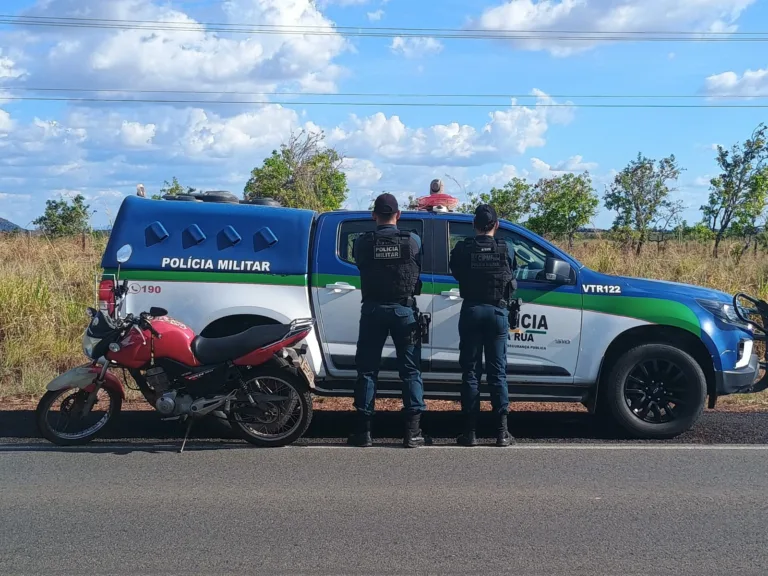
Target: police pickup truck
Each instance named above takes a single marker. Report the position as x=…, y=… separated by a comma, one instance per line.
x=644, y=353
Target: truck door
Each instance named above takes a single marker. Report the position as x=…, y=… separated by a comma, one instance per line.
x=336, y=290
x=544, y=348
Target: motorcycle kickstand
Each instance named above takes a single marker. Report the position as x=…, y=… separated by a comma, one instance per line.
x=186, y=435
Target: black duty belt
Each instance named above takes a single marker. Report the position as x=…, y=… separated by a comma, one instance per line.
x=497, y=303
x=408, y=302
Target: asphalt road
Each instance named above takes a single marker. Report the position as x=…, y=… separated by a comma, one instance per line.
x=565, y=510
x=331, y=428
x=567, y=499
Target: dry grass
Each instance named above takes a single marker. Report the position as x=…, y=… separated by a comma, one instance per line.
x=46, y=285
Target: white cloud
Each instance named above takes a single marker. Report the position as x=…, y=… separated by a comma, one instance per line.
x=8, y=68
x=6, y=124
x=193, y=59
x=375, y=16
x=207, y=133
x=751, y=83
x=15, y=197
x=135, y=134
x=415, y=47
x=498, y=179
x=506, y=132
x=361, y=173
x=605, y=16
x=572, y=164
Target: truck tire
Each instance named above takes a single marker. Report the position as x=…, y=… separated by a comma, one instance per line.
x=219, y=197
x=180, y=198
x=262, y=202
x=654, y=391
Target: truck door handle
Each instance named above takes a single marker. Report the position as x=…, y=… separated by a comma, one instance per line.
x=340, y=286
x=453, y=293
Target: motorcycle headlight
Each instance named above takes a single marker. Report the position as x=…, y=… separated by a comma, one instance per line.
x=722, y=310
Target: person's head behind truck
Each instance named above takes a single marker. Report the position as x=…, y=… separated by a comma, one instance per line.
x=486, y=220
x=385, y=209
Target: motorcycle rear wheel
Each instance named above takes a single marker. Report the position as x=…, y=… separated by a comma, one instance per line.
x=286, y=377
x=44, y=409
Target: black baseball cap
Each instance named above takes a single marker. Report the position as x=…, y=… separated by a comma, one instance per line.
x=485, y=217
x=385, y=204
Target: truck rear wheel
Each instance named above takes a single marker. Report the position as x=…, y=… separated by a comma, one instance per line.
x=654, y=391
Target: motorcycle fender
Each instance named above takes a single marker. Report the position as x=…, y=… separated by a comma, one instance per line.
x=82, y=377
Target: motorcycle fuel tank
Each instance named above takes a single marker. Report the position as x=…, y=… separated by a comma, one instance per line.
x=175, y=342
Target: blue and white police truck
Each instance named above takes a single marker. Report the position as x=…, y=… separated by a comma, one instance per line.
x=646, y=354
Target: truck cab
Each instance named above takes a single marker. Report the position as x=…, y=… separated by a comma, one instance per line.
x=644, y=352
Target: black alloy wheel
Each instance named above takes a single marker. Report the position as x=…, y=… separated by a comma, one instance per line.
x=655, y=389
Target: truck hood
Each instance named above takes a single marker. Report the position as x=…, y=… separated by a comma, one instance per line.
x=658, y=288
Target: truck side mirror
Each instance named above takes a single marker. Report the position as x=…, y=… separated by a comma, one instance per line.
x=557, y=271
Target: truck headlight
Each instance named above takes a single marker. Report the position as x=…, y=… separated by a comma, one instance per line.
x=723, y=310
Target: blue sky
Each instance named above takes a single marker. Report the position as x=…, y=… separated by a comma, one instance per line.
x=103, y=150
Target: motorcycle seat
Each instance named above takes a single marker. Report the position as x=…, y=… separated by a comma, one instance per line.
x=217, y=350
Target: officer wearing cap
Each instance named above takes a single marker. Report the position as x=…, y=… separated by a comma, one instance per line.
x=389, y=261
x=485, y=272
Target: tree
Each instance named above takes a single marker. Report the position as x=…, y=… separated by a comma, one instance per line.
x=737, y=196
x=511, y=202
x=562, y=205
x=303, y=174
x=667, y=222
x=173, y=188
x=64, y=219
x=640, y=194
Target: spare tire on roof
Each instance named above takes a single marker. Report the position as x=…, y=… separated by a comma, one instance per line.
x=181, y=197
x=262, y=202
x=218, y=196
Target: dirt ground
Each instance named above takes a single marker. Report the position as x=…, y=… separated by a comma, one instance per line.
x=393, y=404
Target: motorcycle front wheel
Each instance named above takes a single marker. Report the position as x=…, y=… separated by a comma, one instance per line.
x=60, y=419
x=280, y=420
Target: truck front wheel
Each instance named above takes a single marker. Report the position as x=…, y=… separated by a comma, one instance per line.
x=654, y=391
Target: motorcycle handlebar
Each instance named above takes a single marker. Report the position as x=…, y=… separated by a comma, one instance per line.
x=141, y=322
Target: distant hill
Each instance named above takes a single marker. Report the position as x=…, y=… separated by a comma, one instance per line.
x=6, y=226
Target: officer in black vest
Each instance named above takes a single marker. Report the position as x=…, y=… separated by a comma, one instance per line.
x=485, y=271
x=389, y=261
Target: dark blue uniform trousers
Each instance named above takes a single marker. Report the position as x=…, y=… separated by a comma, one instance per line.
x=483, y=328
x=376, y=322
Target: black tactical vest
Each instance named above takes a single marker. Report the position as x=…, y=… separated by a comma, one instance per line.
x=389, y=271
x=488, y=273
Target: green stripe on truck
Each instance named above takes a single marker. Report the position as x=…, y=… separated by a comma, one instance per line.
x=653, y=310
x=211, y=277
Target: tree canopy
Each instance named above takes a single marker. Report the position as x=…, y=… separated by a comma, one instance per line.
x=511, y=202
x=561, y=205
x=64, y=218
x=737, y=197
x=640, y=196
x=303, y=174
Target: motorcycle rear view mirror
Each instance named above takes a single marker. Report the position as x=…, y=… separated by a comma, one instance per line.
x=124, y=254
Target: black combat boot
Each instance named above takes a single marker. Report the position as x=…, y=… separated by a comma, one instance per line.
x=468, y=437
x=502, y=435
x=362, y=435
x=413, y=437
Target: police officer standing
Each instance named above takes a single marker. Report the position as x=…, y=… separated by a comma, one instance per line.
x=389, y=261
x=484, y=270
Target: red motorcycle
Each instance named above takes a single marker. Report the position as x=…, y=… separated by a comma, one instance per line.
x=256, y=379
